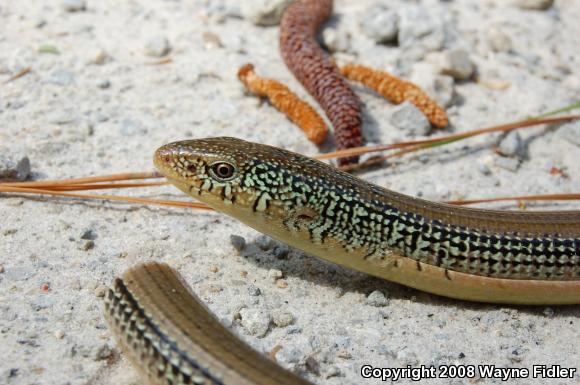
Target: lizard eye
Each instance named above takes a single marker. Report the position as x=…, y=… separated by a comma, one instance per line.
x=222, y=170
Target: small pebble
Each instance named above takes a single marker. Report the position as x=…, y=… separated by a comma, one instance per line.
x=457, y=64
x=1, y=269
x=419, y=29
x=89, y=235
x=539, y=5
x=377, y=299
x=275, y=274
x=214, y=269
x=102, y=352
x=282, y=318
x=571, y=132
x=548, y=312
x=265, y=12
x=238, y=243
x=88, y=245
x=104, y=84
x=254, y=290
x=59, y=334
x=157, y=46
x=510, y=164
x=211, y=40
x=498, y=40
x=101, y=290
x=312, y=365
x=264, y=242
x=281, y=284
x=484, y=169
x=335, y=40
x=280, y=251
x=12, y=169
x=331, y=371
x=512, y=145
x=380, y=24
x=410, y=119
x=61, y=77
x=74, y=5
x=256, y=322
x=439, y=87
x=100, y=57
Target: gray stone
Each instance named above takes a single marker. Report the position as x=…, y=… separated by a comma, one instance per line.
x=62, y=77
x=256, y=322
x=280, y=251
x=102, y=352
x=439, y=87
x=484, y=169
x=534, y=4
x=157, y=46
x=282, y=318
x=417, y=26
x=264, y=242
x=104, y=84
x=409, y=118
x=254, y=290
x=12, y=169
x=510, y=164
x=571, y=132
x=89, y=234
x=377, y=299
x=74, y=5
x=380, y=24
x=457, y=64
x=512, y=145
x=265, y=12
x=335, y=40
x=238, y=243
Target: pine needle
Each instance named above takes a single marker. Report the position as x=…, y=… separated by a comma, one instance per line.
x=105, y=197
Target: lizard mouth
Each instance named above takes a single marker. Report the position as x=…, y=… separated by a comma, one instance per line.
x=165, y=160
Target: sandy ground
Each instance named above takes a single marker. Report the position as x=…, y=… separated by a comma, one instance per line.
x=95, y=103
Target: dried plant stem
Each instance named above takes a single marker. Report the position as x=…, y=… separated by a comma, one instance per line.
x=90, y=179
x=419, y=144
x=24, y=190
x=397, y=91
x=286, y=101
x=546, y=197
x=18, y=75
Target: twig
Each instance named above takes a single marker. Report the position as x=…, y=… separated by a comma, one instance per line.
x=105, y=197
x=18, y=74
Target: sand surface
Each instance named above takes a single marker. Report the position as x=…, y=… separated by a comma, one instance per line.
x=95, y=103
